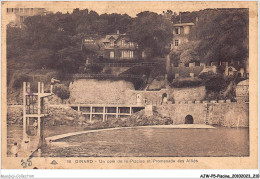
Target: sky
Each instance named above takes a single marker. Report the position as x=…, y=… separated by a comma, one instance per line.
x=126, y=7
x=131, y=8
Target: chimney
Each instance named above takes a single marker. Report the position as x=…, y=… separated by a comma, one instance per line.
x=117, y=32
x=180, y=17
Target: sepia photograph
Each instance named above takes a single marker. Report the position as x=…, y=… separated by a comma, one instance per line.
x=97, y=81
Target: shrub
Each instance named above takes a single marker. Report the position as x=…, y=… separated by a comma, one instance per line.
x=61, y=91
x=215, y=84
x=208, y=75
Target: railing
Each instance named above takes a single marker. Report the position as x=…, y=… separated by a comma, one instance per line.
x=15, y=105
x=106, y=76
x=130, y=64
x=33, y=109
x=120, y=47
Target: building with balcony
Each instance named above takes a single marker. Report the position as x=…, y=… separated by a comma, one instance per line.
x=120, y=47
x=16, y=16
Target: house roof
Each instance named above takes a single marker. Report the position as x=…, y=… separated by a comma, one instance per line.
x=233, y=68
x=236, y=66
x=108, y=37
x=183, y=24
x=243, y=83
x=123, y=36
x=185, y=71
x=114, y=36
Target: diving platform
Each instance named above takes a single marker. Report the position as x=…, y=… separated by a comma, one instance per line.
x=34, y=110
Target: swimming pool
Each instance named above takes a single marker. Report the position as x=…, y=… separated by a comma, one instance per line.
x=153, y=142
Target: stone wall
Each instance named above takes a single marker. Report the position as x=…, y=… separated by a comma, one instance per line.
x=178, y=112
x=147, y=97
x=224, y=114
x=229, y=114
x=242, y=93
x=116, y=92
x=99, y=91
x=189, y=94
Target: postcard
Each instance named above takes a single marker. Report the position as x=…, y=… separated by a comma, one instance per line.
x=129, y=85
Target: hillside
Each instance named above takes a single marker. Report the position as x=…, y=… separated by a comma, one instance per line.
x=51, y=46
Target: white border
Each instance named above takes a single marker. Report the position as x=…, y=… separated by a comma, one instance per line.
x=148, y=173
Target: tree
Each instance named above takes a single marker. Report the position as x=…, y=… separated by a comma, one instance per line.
x=17, y=41
x=219, y=35
x=224, y=35
x=152, y=32
x=46, y=32
x=69, y=59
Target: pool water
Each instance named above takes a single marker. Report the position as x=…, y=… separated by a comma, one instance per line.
x=154, y=142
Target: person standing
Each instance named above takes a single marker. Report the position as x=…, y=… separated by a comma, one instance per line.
x=35, y=126
x=14, y=150
x=53, y=81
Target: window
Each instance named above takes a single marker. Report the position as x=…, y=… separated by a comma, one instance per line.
x=177, y=30
x=112, y=55
x=125, y=54
x=176, y=43
x=131, y=55
x=112, y=43
x=131, y=44
x=21, y=19
x=123, y=42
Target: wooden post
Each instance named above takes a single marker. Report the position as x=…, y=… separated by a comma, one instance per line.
x=104, y=111
x=117, y=112
x=28, y=87
x=90, y=117
x=131, y=110
x=42, y=87
x=106, y=114
x=78, y=108
x=39, y=110
x=24, y=112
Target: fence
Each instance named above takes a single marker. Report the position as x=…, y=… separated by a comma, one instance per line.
x=106, y=76
x=130, y=64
